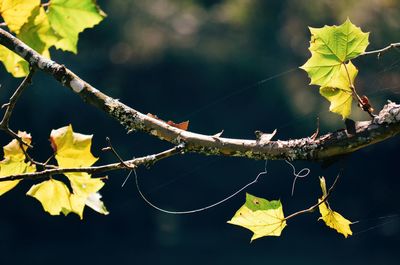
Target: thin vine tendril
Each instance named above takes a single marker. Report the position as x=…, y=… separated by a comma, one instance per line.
x=304, y=172
x=199, y=209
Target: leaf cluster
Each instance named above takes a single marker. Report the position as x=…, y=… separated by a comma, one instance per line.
x=266, y=218
x=42, y=26
x=330, y=67
x=70, y=149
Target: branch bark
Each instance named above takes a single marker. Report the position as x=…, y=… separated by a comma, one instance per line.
x=383, y=126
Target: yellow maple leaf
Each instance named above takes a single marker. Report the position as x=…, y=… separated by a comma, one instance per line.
x=83, y=187
x=52, y=194
x=13, y=63
x=262, y=217
x=72, y=149
x=331, y=218
x=13, y=148
x=338, y=90
x=94, y=202
x=37, y=34
x=78, y=204
x=56, y=198
x=16, y=12
x=14, y=162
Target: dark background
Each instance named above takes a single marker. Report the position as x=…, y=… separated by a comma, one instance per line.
x=210, y=62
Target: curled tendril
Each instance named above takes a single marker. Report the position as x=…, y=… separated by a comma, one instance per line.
x=304, y=172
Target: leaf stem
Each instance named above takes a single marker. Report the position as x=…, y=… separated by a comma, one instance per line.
x=355, y=94
x=313, y=207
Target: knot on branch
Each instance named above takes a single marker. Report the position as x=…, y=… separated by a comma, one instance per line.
x=389, y=114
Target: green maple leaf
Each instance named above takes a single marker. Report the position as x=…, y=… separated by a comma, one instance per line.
x=70, y=17
x=37, y=32
x=262, y=217
x=332, y=46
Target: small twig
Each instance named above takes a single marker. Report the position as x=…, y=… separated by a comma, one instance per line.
x=14, y=98
x=15, y=136
x=97, y=169
x=312, y=208
x=380, y=51
x=22, y=145
x=46, y=4
x=10, y=105
x=315, y=134
x=112, y=149
x=45, y=164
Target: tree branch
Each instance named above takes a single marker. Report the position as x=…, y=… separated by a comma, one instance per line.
x=380, y=51
x=384, y=126
x=130, y=164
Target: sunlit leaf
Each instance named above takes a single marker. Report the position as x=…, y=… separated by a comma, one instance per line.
x=338, y=91
x=262, y=217
x=37, y=32
x=78, y=204
x=83, y=188
x=331, y=218
x=72, y=149
x=340, y=100
x=94, y=202
x=344, y=78
x=70, y=17
x=332, y=46
x=13, y=149
x=52, y=194
x=13, y=63
x=16, y=12
x=14, y=162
